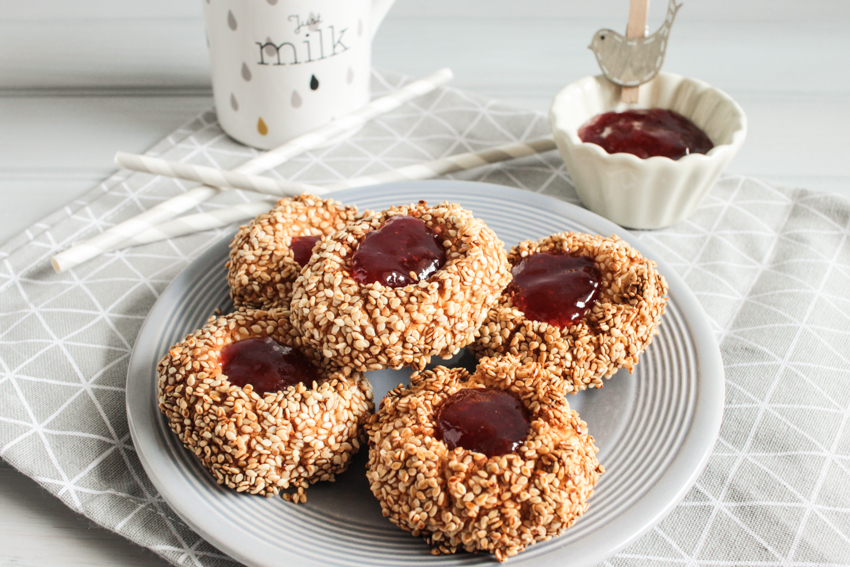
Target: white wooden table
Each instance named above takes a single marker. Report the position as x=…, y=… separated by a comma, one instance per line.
x=80, y=80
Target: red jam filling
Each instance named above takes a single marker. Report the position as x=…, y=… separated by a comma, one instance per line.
x=486, y=421
x=302, y=248
x=266, y=364
x=389, y=255
x=646, y=133
x=555, y=288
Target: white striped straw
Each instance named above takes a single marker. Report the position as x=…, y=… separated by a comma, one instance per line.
x=108, y=239
x=223, y=217
x=269, y=186
x=214, y=177
x=451, y=164
x=199, y=222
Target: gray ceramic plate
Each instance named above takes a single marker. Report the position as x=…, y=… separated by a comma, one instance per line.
x=655, y=428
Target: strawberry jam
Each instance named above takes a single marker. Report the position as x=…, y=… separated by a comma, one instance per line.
x=486, y=421
x=646, y=133
x=302, y=248
x=267, y=365
x=389, y=255
x=554, y=288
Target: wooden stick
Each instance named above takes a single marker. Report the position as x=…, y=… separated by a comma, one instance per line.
x=638, y=13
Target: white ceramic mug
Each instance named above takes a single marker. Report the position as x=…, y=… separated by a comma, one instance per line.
x=282, y=68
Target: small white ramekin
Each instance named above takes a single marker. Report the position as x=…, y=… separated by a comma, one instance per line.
x=646, y=193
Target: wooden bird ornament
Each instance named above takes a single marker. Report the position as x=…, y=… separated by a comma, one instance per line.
x=630, y=62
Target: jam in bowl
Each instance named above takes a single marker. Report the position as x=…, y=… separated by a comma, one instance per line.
x=656, y=191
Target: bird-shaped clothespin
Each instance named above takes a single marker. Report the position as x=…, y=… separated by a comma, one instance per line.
x=630, y=62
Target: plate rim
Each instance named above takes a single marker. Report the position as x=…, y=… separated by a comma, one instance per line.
x=671, y=487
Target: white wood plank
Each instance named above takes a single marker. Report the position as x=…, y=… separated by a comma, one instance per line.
x=53, y=149
x=79, y=10
x=616, y=11
x=84, y=132
x=796, y=136
x=38, y=530
x=539, y=52
x=792, y=11
x=540, y=56
x=142, y=53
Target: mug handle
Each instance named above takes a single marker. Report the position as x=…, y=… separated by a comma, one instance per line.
x=379, y=10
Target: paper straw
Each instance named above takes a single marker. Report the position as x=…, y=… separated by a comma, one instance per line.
x=451, y=164
x=214, y=177
x=108, y=239
x=223, y=217
x=199, y=222
x=269, y=186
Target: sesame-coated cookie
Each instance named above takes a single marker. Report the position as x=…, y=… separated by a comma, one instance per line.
x=613, y=334
x=372, y=326
x=262, y=266
x=261, y=444
x=461, y=499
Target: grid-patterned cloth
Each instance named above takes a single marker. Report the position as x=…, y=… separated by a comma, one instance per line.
x=771, y=267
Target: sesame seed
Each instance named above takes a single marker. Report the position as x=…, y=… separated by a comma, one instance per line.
x=615, y=332
x=262, y=266
x=408, y=325
x=260, y=444
x=461, y=500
